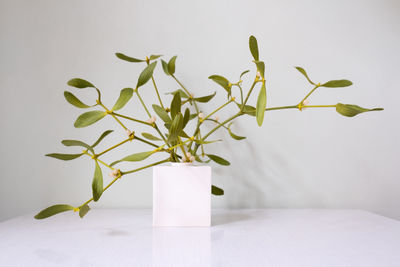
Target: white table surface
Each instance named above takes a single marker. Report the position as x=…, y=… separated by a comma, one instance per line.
x=285, y=237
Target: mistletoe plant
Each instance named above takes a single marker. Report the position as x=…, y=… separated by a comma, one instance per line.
x=175, y=141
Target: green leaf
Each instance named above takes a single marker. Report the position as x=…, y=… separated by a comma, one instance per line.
x=218, y=159
x=199, y=160
x=216, y=191
x=161, y=113
x=352, y=110
x=243, y=73
x=138, y=156
x=183, y=134
x=253, y=47
x=180, y=91
x=193, y=116
x=151, y=137
x=175, y=105
x=64, y=156
x=221, y=81
x=171, y=65
x=176, y=128
x=152, y=57
x=53, y=210
x=337, y=83
x=77, y=143
x=129, y=59
x=186, y=117
x=88, y=118
x=79, y=83
x=102, y=136
x=124, y=97
x=165, y=67
x=234, y=136
x=261, y=105
x=146, y=74
x=260, y=68
x=73, y=100
x=249, y=110
x=204, y=99
x=83, y=210
x=302, y=71
x=97, y=183
x=201, y=142
x=115, y=162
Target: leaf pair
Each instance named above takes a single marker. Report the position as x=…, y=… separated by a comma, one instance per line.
x=329, y=84
x=147, y=73
x=262, y=95
x=81, y=84
x=59, y=208
x=135, y=60
x=78, y=143
x=223, y=82
x=169, y=68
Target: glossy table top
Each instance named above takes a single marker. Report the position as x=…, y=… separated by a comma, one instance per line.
x=270, y=237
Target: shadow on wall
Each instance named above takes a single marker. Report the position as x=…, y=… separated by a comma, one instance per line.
x=258, y=180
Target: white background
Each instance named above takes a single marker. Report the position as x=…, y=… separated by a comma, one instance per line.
x=314, y=158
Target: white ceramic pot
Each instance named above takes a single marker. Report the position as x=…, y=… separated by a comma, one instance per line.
x=181, y=195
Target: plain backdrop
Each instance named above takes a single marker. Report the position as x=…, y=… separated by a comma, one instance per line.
x=311, y=159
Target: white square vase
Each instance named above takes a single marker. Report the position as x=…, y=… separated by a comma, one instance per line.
x=181, y=195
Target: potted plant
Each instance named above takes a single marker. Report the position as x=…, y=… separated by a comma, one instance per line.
x=181, y=191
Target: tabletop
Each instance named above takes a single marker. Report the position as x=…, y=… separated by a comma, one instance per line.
x=268, y=237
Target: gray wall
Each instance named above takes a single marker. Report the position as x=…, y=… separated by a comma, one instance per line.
x=309, y=159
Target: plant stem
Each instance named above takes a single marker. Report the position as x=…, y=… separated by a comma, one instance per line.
x=104, y=189
x=248, y=93
x=183, y=149
x=180, y=144
x=145, y=141
x=187, y=92
x=315, y=88
x=267, y=109
x=141, y=100
x=102, y=162
x=146, y=123
x=283, y=107
x=320, y=106
x=123, y=173
x=221, y=107
x=148, y=113
x=218, y=126
x=112, y=114
x=132, y=119
x=147, y=166
x=195, y=106
x=114, y=146
x=158, y=94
